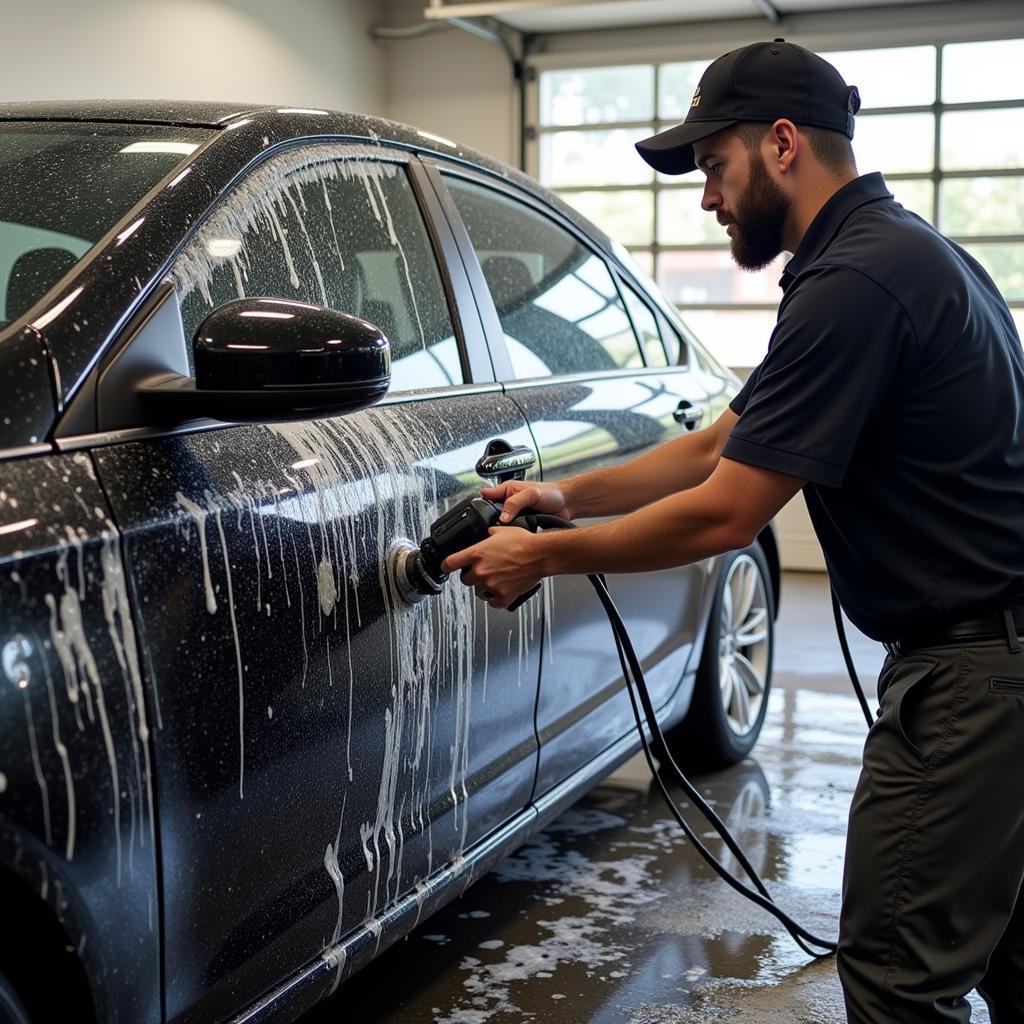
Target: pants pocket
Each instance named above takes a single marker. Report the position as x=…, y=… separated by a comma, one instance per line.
x=1011, y=687
x=918, y=711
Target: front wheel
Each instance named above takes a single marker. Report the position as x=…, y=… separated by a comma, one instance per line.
x=731, y=693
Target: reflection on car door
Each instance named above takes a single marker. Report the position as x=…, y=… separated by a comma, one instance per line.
x=323, y=748
x=593, y=396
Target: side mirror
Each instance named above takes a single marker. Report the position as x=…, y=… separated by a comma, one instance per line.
x=265, y=358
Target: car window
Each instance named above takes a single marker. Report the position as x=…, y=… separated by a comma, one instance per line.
x=646, y=326
x=559, y=308
x=678, y=353
x=63, y=186
x=340, y=232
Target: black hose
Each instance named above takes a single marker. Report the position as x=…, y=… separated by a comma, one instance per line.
x=636, y=686
x=848, y=658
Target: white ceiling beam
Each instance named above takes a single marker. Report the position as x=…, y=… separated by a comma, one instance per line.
x=769, y=10
x=496, y=8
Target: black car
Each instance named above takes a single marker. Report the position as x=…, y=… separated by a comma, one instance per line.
x=234, y=766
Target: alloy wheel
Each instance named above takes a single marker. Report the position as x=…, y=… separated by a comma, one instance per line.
x=744, y=645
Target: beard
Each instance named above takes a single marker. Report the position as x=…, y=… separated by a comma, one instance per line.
x=760, y=217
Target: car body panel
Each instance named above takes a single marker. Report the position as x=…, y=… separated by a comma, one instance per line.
x=77, y=813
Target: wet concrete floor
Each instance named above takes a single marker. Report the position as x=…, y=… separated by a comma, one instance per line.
x=610, y=917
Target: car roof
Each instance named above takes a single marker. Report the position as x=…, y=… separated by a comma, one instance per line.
x=182, y=112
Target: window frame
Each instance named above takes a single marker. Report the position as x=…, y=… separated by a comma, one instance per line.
x=935, y=175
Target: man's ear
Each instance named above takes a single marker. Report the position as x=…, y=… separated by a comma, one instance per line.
x=783, y=140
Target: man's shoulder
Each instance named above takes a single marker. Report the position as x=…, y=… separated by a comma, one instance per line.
x=901, y=253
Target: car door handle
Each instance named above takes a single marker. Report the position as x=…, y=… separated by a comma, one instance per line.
x=688, y=414
x=502, y=461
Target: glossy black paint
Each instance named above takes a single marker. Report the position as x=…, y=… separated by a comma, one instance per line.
x=26, y=383
x=303, y=768
x=77, y=818
x=237, y=347
x=272, y=359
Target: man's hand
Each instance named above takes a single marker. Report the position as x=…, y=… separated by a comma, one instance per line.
x=519, y=495
x=500, y=568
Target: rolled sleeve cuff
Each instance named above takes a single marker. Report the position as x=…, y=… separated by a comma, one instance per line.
x=804, y=467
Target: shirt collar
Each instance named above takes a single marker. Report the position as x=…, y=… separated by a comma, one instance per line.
x=830, y=218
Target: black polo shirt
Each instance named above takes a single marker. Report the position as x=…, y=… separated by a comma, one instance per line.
x=894, y=385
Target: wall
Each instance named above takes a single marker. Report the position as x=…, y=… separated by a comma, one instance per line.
x=452, y=83
x=316, y=53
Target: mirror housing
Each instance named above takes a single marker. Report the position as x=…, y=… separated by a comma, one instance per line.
x=265, y=358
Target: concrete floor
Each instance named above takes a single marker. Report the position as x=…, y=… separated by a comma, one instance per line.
x=610, y=917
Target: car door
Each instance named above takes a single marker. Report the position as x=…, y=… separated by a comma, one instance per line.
x=570, y=357
x=322, y=749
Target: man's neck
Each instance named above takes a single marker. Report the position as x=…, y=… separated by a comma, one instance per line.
x=807, y=205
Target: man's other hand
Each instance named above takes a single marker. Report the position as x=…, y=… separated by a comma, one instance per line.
x=519, y=495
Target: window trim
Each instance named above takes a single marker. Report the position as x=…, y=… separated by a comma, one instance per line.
x=624, y=284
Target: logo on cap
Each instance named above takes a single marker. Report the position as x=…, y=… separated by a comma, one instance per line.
x=695, y=102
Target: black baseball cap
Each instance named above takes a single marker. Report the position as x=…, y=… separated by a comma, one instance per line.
x=760, y=82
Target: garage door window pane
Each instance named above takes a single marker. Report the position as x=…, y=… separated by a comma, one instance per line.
x=894, y=142
x=559, y=307
x=915, y=195
x=1005, y=264
x=677, y=86
x=982, y=139
x=593, y=158
x=596, y=95
x=339, y=233
x=983, y=71
x=736, y=338
x=628, y=217
x=1018, y=319
x=681, y=221
x=903, y=76
x=710, y=277
x=982, y=206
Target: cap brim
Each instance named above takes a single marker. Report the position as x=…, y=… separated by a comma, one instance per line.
x=671, y=151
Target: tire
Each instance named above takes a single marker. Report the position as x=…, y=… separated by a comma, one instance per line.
x=730, y=697
x=12, y=1009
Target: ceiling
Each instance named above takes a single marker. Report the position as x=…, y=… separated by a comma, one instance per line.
x=543, y=16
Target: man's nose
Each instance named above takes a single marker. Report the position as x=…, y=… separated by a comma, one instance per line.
x=712, y=198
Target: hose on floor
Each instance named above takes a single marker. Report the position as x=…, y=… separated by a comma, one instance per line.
x=636, y=686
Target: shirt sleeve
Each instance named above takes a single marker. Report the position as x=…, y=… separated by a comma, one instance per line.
x=739, y=403
x=831, y=361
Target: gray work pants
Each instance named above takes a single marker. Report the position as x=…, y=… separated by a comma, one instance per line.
x=935, y=849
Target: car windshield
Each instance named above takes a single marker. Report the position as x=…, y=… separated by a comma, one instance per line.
x=63, y=186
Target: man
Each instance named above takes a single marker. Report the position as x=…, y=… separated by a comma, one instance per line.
x=893, y=395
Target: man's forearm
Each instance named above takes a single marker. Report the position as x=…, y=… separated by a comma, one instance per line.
x=725, y=512
x=673, y=531
x=676, y=465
